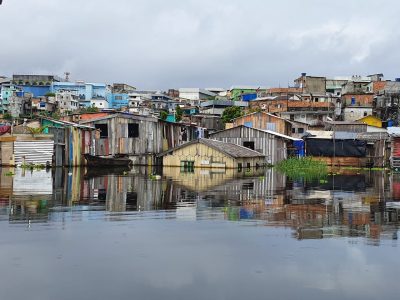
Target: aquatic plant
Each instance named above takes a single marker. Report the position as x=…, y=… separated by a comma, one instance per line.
x=303, y=168
x=32, y=166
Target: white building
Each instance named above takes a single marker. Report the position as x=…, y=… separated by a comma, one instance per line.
x=99, y=103
x=196, y=95
x=354, y=113
x=67, y=101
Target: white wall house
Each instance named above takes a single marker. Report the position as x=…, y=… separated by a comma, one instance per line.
x=354, y=113
x=195, y=95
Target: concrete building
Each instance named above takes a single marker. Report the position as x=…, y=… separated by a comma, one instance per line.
x=354, y=113
x=37, y=85
x=311, y=84
x=205, y=153
x=67, y=101
x=245, y=92
x=196, y=95
x=88, y=93
x=7, y=89
x=217, y=107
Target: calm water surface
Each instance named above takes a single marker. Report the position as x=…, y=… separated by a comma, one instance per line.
x=78, y=234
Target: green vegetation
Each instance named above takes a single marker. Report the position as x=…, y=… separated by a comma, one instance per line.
x=7, y=116
x=31, y=166
x=50, y=94
x=9, y=173
x=303, y=168
x=90, y=109
x=163, y=115
x=178, y=113
x=231, y=113
x=38, y=130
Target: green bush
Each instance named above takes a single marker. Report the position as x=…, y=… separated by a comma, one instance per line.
x=303, y=168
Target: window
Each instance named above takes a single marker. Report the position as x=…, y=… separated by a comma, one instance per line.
x=271, y=126
x=103, y=130
x=133, y=130
x=365, y=114
x=240, y=167
x=248, y=166
x=293, y=130
x=249, y=145
x=300, y=130
x=187, y=166
x=118, y=97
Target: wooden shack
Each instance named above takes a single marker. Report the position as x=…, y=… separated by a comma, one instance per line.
x=337, y=148
x=207, y=153
x=71, y=141
x=139, y=137
x=276, y=147
x=265, y=121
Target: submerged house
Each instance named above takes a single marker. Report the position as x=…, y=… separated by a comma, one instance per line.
x=140, y=138
x=357, y=149
x=136, y=136
x=205, y=153
x=71, y=141
x=275, y=146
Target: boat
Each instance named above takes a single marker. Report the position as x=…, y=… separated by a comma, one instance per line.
x=103, y=161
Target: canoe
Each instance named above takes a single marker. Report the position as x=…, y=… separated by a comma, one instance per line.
x=101, y=161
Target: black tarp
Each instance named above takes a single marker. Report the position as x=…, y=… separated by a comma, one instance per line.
x=339, y=148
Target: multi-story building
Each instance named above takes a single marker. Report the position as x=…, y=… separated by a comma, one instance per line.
x=67, y=101
x=89, y=94
x=37, y=85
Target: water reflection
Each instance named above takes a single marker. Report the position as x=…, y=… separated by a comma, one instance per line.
x=349, y=204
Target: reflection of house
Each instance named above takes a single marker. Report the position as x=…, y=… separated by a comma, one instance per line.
x=273, y=145
x=212, y=154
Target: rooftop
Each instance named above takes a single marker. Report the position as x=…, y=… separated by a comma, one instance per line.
x=232, y=150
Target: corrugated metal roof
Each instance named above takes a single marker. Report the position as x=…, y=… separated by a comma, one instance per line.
x=262, y=130
x=394, y=131
x=35, y=152
x=319, y=134
x=344, y=135
x=229, y=149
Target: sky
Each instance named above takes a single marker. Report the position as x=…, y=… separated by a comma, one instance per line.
x=159, y=44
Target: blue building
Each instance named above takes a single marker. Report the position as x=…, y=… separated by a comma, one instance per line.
x=37, y=85
x=118, y=101
x=87, y=93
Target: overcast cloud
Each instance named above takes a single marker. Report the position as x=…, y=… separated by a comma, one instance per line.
x=159, y=44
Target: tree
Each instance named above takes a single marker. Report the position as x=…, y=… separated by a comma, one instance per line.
x=231, y=113
x=7, y=116
x=50, y=94
x=178, y=113
x=163, y=115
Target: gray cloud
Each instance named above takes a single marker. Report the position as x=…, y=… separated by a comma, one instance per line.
x=171, y=44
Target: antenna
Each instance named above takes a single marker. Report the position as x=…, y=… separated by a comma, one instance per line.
x=65, y=73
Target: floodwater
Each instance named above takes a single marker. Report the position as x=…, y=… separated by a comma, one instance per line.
x=210, y=234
